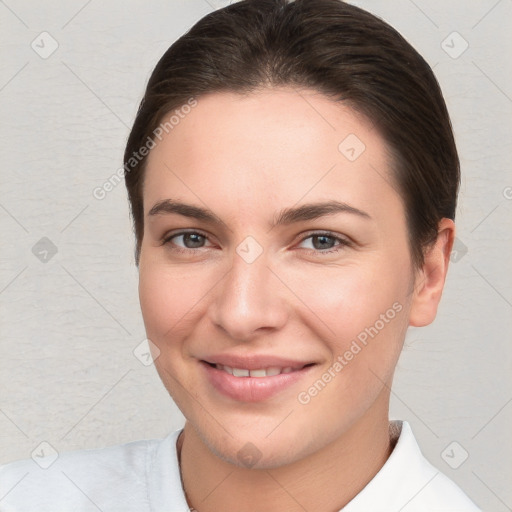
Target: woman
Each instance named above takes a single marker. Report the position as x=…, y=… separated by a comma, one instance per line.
x=293, y=179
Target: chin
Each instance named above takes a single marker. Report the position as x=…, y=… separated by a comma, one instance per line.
x=245, y=454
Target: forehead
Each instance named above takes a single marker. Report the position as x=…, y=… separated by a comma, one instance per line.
x=268, y=148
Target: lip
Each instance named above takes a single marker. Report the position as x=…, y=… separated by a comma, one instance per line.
x=254, y=361
x=253, y=389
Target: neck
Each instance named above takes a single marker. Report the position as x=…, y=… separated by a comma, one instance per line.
x=325, y=481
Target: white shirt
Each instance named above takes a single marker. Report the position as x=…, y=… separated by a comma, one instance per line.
x=144, y=476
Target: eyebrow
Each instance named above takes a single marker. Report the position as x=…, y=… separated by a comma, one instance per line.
x=286, y=216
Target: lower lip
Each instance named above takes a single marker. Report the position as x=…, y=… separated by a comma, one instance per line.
x=251, y=389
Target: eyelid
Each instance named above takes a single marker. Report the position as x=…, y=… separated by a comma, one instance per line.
x=173, y=234
x=341, y=238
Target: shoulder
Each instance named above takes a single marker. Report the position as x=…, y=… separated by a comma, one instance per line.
x=440, y=493
x=429, y=489
x=107, y=478
x=435, y=491
x=409, y=483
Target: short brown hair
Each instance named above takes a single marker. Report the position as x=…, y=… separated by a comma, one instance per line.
x=332, y=47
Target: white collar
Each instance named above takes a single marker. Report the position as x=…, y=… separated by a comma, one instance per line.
x=407, y=482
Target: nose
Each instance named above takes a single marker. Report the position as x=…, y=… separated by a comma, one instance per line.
x=249, y=300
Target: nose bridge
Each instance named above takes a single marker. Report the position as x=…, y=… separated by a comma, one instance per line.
x=248, y=300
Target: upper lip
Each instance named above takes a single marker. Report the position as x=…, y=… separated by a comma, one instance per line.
x=254, y=361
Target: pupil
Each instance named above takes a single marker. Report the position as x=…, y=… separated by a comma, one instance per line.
x=324, y=239
x=194, y=238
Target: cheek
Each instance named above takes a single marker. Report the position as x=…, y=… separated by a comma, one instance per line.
x=169, y=298
x=349, y=299
x=362, y=316
x=170, y=305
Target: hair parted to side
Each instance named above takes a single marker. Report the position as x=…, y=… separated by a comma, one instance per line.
x=329, y=46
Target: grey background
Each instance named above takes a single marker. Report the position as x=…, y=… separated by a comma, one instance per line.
x=70, y=321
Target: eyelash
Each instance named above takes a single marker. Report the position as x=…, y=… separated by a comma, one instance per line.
x=342, y=242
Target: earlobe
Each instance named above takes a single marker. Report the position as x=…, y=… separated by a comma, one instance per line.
x=430, y=279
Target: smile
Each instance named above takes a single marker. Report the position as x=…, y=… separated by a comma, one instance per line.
x=253, y=384
x=261, y=372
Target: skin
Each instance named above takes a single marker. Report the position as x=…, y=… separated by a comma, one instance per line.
x=246, y=158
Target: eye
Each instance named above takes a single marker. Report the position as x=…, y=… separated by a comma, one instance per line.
x=185, y=241
x=323, y=243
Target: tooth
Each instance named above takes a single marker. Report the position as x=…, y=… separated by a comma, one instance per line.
x=288, y=369
x=258, y=373
x=240, y=372
x=228, y=369
x=273, y=370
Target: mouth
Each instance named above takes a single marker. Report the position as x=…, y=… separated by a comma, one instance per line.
x=270, y=371
x=255, y=384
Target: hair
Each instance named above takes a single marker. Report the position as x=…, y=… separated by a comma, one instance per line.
x=339, y=50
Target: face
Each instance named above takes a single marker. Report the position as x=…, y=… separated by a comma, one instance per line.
x=274, y=243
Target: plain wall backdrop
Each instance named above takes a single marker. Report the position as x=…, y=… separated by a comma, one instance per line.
x=71, y=78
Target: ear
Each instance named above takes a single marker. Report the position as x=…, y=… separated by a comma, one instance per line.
x=429, y=280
